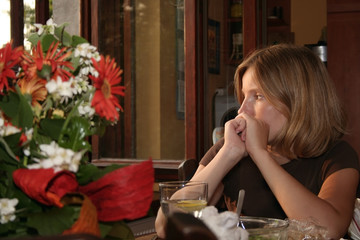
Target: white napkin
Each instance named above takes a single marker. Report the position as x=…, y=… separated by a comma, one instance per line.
x=354, y=228
x=223, y=225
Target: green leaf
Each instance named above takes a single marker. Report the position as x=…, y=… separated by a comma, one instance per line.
x=76, y=40
x=85, y=173
x=105, y=228
x=55, y=221
x=102, y=172
x=45, y=71
x=64, y=37
x=6, y=182
x=11, y=145
x=75, y=62
x=60, y=30
x=6, y=152
x=13, y=229
x=9, y=104
x=40, y=139
x=25, y=115
x=121, y=231
x=51, y=127
x=16, y=107
x=33, y=39
x=74, y=136
x=47, y=40
x=89, y=173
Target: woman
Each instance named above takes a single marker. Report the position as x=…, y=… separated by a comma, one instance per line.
x=284, y=146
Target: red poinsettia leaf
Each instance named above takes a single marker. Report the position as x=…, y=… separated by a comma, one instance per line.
x=125, y=193
x=45, y=185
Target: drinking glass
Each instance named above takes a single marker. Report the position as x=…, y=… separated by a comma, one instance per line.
x=183, y=196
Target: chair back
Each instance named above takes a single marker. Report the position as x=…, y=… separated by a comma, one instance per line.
x=187, y=169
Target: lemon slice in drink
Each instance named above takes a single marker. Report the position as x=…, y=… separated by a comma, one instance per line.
x=191, y=205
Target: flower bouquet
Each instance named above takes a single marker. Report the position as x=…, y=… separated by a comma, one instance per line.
x=52, y=100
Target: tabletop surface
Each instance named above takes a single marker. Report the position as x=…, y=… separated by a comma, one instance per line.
x=151, y=236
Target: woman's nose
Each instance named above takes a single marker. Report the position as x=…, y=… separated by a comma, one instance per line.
x=242, y=108
x=246, y=107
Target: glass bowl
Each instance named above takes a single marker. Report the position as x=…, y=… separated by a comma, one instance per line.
x=264, y=228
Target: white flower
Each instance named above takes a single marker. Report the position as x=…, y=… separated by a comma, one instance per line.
x=40, y=28
x=86, y=52
x=27, y=151
x=51, y=25
x=48, y=28
x=85, y=109
x=29, y=133
x=7, y=209
x=60, y=90
x=6, y=130
x=57, y=158
x=9, y=130
x=80, y=85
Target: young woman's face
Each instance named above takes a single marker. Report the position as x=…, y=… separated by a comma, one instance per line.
x=256, y=105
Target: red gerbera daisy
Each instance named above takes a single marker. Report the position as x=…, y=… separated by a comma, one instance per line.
x=8, y=59
x=49, y=67
x=105, y=102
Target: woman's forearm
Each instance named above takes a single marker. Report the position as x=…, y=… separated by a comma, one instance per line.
x=216, y=170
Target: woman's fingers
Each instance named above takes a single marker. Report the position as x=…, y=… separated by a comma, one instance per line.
x=255, y=134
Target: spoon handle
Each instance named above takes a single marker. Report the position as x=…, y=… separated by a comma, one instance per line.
x=240, y=201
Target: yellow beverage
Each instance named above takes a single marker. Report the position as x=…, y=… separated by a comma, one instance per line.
x=190, y=206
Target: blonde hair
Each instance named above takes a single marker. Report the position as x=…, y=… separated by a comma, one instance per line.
x=296, y=83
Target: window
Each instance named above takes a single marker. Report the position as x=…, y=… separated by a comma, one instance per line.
x=24, y=13
x=148, y=128
x=144, y=37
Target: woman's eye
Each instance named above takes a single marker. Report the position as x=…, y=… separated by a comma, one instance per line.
x=259, y=96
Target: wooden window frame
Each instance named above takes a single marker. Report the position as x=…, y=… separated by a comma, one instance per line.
x=89, y=8
x=17, y=18
x=194, y=76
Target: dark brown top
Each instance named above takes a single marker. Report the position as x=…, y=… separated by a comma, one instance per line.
x=311, y=172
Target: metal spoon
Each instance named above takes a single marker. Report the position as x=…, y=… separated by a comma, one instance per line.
x=240, y=201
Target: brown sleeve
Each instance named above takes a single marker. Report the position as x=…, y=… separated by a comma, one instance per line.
x=210, y=154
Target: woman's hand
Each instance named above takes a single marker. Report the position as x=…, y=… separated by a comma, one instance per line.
x=255, y=133
x=234, y=142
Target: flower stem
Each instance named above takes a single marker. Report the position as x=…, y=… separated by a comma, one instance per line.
x=7, y=148
x=67, y=120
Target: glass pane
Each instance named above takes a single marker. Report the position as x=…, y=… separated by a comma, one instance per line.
x=225, y=52
x=157, y=67
x=159, y=128
x=5, y=22
x=29, y=20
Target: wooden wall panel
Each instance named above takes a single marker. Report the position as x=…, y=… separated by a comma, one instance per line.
x=344, y=59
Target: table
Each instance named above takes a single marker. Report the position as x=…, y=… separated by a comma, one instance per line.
x=151, y=236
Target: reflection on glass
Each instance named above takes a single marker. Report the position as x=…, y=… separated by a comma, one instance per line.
x=157, y=77
x=5, y=22
x=29, y=20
